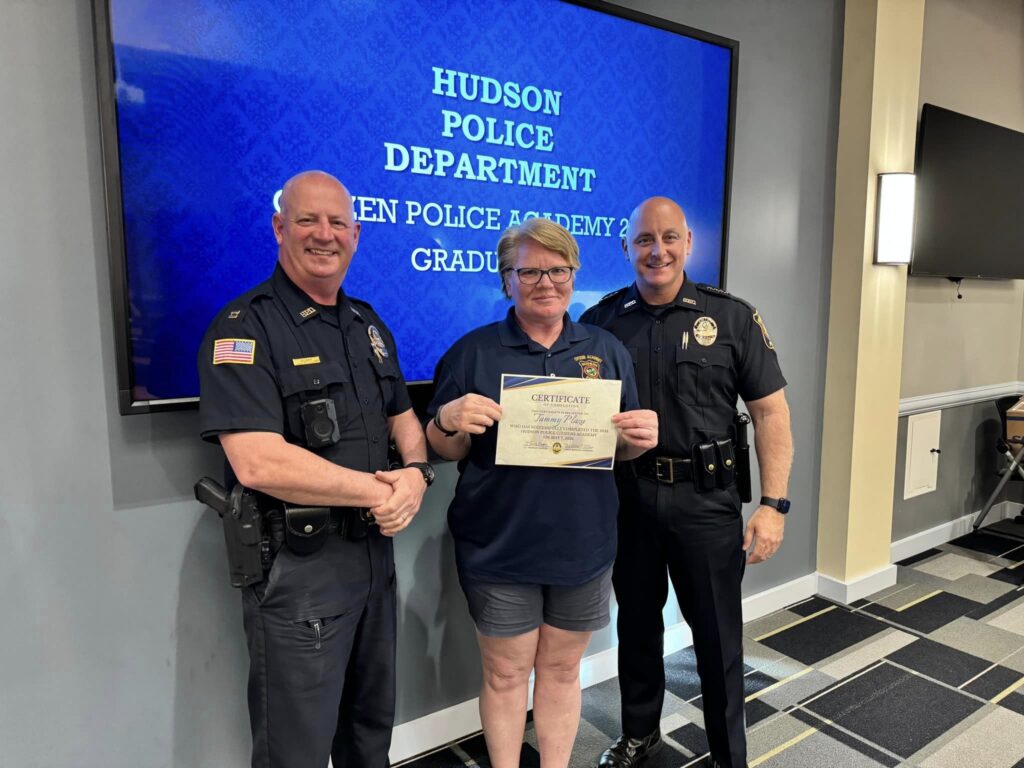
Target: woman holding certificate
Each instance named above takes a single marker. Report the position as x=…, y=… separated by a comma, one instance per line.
x=535, y=531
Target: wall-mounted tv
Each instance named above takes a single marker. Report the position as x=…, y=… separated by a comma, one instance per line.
x=448, y=120
x=969, y=211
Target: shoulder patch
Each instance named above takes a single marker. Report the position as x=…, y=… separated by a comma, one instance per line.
x=723, y=293
x=611, y=296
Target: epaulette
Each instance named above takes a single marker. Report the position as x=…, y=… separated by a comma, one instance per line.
x=361, y=303
x=723, y=293
x=612, y=296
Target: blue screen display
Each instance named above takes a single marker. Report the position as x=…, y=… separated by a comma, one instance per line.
x=448, y=121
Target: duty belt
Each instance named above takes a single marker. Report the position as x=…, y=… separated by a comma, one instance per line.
x=664, y=469
x=349, y=522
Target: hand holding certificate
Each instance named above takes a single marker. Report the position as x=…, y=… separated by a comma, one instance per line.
x=557, y=422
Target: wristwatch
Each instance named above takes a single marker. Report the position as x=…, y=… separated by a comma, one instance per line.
x=442, y=430
x=425, y=468
x=780, y=504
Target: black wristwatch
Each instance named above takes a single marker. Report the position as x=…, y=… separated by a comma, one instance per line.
x=780, y=504
x=442, y=430
x=425, y=468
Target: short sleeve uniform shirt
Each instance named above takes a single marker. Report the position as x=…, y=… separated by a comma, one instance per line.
x=694, y=357
x=273, y=348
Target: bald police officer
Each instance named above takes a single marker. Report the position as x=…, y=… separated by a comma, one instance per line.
x=300, y=385
x=697, y=349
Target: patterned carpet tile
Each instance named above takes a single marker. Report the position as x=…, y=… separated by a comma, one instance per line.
x=928, y=672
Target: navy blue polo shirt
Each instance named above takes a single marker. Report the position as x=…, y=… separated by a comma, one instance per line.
x=524, y=524
x=274, y=348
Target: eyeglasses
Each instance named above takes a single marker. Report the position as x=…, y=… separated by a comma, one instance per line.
x=532, y=275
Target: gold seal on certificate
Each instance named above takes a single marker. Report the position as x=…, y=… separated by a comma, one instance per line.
x=557, y=422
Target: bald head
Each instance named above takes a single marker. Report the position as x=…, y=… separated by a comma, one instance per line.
x=317, y=233
x=314, y=178
x=657, y=243
x=664, y=205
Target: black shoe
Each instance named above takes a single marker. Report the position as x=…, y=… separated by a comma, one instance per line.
x=626, y=752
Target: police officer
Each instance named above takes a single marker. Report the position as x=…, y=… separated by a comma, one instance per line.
x=696, y=350
x=301, y=387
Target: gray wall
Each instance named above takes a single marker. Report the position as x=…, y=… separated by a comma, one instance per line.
x=122, y=644
x=968, y=467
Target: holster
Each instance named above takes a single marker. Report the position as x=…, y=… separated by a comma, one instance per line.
x=306, y=528
x=243, y=528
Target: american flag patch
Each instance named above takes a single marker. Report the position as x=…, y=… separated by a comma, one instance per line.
x=242, y=351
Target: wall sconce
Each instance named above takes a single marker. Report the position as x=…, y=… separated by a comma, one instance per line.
x=894, y=224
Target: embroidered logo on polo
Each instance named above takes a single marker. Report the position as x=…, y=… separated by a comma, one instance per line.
x=764, y=331
x=705, y=331
x=235, y=351
x=377, y=342
x=590, y=366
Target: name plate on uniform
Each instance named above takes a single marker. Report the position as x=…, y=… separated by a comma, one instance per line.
x=562, y=423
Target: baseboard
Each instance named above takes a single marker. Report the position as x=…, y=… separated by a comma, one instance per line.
x=924, y=540
x=846, y=592
x=434, y=730
x=439, y=728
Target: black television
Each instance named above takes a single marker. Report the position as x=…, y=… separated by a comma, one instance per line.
x=969, y=212
x=448, y=120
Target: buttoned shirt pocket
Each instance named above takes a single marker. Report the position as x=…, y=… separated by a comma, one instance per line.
x=313, y=382
x=388, y=377
x=703, y=374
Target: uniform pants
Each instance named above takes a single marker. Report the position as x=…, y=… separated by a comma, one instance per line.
x=321, y=636
x=670, y=531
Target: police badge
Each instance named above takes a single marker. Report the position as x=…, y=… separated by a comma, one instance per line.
x=377, y=342
x=705, y=331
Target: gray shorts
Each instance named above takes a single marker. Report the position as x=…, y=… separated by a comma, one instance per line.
x=507, y=610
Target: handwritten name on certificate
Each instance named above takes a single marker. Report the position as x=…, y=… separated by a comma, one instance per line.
x=554, y=422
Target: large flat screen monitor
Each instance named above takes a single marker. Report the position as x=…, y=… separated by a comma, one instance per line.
x=969, y=213
x=448, y=120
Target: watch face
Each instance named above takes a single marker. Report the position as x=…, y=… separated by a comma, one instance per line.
x=783, y=506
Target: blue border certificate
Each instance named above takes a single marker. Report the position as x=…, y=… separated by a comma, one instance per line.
x=561, y=423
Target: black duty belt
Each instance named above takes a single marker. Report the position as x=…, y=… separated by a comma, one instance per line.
x=349, y=522
x=664, y=469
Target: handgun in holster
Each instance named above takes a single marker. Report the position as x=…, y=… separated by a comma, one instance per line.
x=742, y=449
x=243, y=528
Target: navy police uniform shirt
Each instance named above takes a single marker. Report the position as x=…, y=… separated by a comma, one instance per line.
x=273, y=348
x=693, y=358
x=530, y=525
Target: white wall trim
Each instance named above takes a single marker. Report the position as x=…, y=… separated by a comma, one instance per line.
x=940, y=534
x=939, y=400
x=439, y=728
x=846, y=592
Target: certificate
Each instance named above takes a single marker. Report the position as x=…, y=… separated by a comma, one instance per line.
x=557, y=422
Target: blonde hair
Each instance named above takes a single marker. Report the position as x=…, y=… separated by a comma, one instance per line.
x=545, y=233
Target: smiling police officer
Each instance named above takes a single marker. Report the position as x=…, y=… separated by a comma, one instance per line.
x=300, y=385
x=696, y=349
